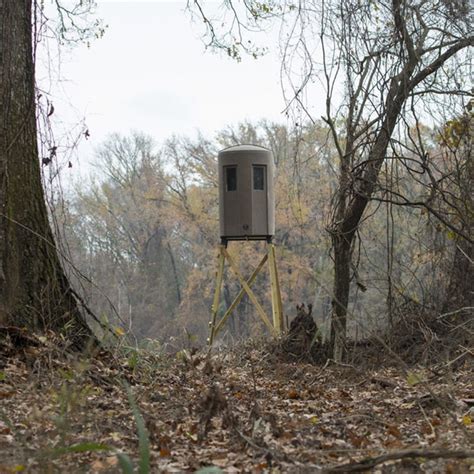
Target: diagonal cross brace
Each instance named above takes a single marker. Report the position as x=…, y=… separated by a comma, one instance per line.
x=249, y=292
x=241, y=294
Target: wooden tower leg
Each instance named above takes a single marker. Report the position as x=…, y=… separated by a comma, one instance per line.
x=277, y=310
x=217, y=294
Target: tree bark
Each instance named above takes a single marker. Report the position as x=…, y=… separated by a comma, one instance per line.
x=34, y=291
x=342, y=259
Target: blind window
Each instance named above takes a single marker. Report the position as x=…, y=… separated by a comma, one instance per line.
x=231, y=178
x=259, y=178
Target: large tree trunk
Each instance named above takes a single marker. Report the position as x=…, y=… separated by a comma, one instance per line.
x=34, y=291
x=352, y=203
x=342, y=261
x=350, y=210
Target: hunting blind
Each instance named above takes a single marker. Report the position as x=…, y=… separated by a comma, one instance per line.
x=246, y=213
x=246, y=198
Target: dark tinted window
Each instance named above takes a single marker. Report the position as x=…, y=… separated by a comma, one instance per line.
x=231, y=178
x=259, y=178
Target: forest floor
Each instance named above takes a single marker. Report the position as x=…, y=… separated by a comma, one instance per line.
x=235, y=411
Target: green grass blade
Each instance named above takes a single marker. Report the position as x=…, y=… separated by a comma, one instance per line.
x=125, y=463
x=143, y=438
x=79, y=448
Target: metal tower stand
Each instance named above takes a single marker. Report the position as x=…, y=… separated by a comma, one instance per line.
x=278, y=324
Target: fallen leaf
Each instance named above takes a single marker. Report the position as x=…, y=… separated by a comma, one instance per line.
x=165, y=452
x=414, y=379
x=98, y=466
x=7, y=393
x=394, y=431
x=293, y=394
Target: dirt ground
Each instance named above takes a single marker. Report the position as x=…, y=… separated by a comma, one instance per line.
x=235, y=411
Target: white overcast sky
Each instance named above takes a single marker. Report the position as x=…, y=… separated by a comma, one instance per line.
x=150, y=72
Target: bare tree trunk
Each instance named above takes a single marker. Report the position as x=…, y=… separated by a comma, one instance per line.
x=34, y=291
x=460, y=293
x=340, y=301
x=175, y=274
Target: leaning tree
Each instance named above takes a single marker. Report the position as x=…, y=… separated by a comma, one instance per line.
x=34, y=290
x=384, y=67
